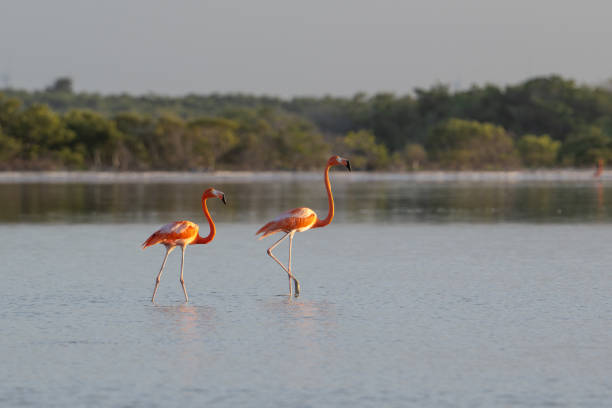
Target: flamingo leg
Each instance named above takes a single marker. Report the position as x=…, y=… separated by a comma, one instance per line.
x=168, y=250
x=280, y=263
x=297, y=283
x=183, y=280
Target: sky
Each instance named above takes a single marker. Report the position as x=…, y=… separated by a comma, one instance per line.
x=300, y=48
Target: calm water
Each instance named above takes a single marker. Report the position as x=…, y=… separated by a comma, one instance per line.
x=541, y=197
x=421, y=293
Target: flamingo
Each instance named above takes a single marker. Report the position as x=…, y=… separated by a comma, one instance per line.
x=300, y=219
x=183, y=233
x=599, y=169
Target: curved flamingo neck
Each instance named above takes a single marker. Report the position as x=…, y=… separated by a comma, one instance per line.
x=330, y=200
x=211, y=224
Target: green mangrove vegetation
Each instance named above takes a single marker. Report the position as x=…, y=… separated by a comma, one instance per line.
x=542, y=122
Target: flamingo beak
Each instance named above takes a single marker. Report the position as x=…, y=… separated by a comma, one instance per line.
x=223, y=199
x=348, y=165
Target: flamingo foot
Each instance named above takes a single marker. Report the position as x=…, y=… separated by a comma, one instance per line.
x=297, y=287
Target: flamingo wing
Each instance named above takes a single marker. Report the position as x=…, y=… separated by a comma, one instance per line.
x=299, y=219
x=175, y=233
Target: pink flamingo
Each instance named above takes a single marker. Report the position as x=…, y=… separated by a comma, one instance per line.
x=599, y=169
x=183, y=233
x=300, y=219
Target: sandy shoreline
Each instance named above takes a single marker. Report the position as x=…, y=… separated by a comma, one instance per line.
x=105, y=177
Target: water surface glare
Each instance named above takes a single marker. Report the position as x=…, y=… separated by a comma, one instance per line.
x=413, y=314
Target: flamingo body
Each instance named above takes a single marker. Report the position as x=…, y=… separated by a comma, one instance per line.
x=181, y=234
x=298, y=219
x=177, y=233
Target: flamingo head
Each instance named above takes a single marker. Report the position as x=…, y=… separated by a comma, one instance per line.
x=211, y=192
x=339, y=161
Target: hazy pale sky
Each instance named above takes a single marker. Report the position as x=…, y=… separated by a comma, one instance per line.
x=305, y=47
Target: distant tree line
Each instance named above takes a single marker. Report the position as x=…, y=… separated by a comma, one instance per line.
x=542, y=122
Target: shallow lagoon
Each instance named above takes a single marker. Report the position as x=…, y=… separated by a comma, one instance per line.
x=420, y=293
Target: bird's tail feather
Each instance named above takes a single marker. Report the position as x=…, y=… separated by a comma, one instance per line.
x=152, y=240
x=267, y=230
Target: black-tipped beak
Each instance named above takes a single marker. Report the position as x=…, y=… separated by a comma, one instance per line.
x=348, y=165
x=223, y=199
